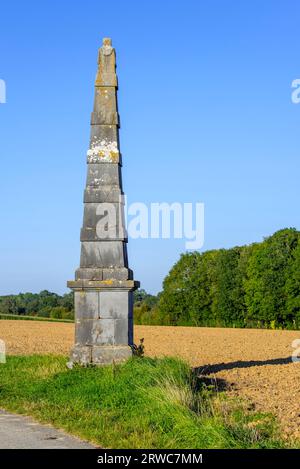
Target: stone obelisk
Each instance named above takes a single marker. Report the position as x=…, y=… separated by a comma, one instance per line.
x=103, y=285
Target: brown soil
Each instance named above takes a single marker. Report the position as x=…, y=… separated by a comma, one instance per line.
x=253, y=364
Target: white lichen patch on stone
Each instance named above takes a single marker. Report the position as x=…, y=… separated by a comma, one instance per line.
x=103, y=151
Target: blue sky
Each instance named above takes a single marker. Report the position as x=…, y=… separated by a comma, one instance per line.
x=206, y=114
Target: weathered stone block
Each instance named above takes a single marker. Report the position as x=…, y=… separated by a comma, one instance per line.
x=117, y=273
x=114, y=304
x=107, y=355
x=105, y=104
x=106, y=117
x=87, y=305
x=89, y=274
x=103, y=194
x=122, y=331
x=81, y=354
x=121, y=273
x=95, y=331
x=103, y=285
x=104, y=132
x=106, y=254
x=103, y=174
x=103, y=221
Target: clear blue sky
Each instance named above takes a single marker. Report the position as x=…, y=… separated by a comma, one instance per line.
x=206, y=113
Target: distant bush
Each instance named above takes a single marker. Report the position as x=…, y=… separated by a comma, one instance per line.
x=59, y=312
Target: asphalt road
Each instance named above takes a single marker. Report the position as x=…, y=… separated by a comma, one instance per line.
x=18, y=432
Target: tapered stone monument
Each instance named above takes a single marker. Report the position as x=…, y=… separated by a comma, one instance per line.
x=103, y=285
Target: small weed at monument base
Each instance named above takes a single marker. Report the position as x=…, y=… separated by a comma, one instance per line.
x=144, y=403
x=139, y=350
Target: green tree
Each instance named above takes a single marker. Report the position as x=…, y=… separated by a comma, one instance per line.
x=67, y=301
x=188, y=289
x=266, y=295
x=8, y=305
x=228, y=302
x=292, y=289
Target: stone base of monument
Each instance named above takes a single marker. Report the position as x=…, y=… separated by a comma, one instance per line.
x=99, y=355
x=103, y=321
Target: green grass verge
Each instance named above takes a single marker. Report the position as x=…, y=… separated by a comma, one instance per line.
x=144, y=403
x=32, y=318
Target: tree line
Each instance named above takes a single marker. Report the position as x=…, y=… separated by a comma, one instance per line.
x=44, y=304
x=257, y=285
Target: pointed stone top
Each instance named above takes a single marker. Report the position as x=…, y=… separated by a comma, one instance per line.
x=107, y=41
x=106, y=74
x=106, y=48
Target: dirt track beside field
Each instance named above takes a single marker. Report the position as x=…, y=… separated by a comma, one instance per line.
x=254, y=364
